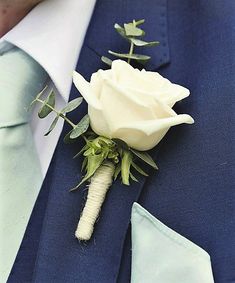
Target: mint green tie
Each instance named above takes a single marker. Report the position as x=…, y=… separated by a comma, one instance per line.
x=21, y=78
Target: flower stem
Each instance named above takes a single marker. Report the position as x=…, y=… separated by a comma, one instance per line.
x=100, y=183
x=57, y=112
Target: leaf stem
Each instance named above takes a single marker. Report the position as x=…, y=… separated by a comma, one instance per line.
x=58, y=113
x=130, y=52
x=132, y=46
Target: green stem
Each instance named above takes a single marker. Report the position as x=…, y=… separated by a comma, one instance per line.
x=132, y=46
x=58, y=113
x=130, y=52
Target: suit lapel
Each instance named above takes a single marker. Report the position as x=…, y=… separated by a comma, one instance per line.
x=61, y=258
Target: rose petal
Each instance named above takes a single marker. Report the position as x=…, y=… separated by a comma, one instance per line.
x=98, y=122
x=97, y=80
x=119, y=106
x=127, y=76
x=84, y=88
x=164, y=89
x=159, y=108
x=147, y=134
x=150, y=82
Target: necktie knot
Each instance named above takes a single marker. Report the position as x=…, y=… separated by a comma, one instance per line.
x=21, y=78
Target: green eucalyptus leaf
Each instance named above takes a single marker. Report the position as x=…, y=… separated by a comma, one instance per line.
x=93, y=163
x=140, y=22
x=138, y=169
x=53, y=124
x=138, y=42
x=121, y=31
x=67, y=138
x=125, y=167
x=45, y=110
x=144, y=156
x=132, y=30
x=106, y=60
x=137, y=57
x=133, y=177
x=80, y=128
x=73, y=104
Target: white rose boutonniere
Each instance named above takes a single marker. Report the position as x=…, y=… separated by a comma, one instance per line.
x=131, y=105
x=129, y=112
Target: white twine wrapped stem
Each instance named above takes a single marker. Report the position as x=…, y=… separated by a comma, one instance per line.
x=100, y=183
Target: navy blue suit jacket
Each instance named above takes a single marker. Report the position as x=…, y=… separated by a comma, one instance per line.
x=194, y=190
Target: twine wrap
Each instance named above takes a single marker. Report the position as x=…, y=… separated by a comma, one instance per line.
x=100, y=183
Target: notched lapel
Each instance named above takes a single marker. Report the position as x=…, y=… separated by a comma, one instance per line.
x=102, y=37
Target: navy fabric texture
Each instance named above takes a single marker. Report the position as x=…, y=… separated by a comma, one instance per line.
x=193, y=192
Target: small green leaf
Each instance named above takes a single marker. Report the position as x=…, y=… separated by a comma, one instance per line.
x=125, y=167
x=133, y=177
x=67, y=138
x=139, y=42
x=106, y=60
x=138, y=57
x=89, y=151
x=80, y=128
x=121, y=31
x=132, y=30
x=53, y=124
x=93, y=163
x=73, y=104
x=144, y=156
x=138, y=169
x=105, y=140
x=45, y=110
x=80, y=152
x=140, y=22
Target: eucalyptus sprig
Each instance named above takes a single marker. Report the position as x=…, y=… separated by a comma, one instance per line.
x=133, y=34
x=48, y=106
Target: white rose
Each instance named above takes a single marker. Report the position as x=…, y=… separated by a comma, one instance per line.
x=131, y=105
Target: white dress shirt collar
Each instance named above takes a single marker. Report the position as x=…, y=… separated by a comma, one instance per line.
x=54, y=41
